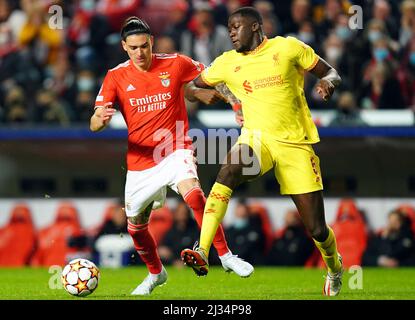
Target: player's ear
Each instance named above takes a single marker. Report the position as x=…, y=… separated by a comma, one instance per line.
x=255, y=26
x=124, y=45
x=152, y=41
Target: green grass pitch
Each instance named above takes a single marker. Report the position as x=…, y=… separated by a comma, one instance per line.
x=265, y=284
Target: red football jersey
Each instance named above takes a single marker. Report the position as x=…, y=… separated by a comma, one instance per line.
x=152, y=104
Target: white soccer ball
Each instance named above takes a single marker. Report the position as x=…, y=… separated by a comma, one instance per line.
x=80, y=277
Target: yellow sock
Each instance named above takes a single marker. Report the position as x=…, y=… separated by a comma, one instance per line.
x=328, y=249
x=215, y=209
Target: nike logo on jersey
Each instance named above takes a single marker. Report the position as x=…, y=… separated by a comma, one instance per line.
x=130, y=88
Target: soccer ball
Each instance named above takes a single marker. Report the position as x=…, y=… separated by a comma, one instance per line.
x=80, y=277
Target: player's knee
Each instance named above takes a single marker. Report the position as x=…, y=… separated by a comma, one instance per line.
x=195, y=199
x=319, y=232
x=138, y=219
x=230, y=175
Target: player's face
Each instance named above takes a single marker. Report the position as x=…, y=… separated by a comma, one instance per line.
x=139, y=48
x=241, y=32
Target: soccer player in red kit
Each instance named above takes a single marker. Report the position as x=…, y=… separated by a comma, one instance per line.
x=149, y=90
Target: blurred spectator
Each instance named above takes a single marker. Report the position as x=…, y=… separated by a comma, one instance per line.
x=407, y=30
x=347, y=113
x=42, y=42
x=332, y=10
x=333, y=49
x=342, y=30
x=164, y=44
x=382, y=11
x=351, y=232
x=177, y=23
x=111, y=244
x=86, y=87
x=60, y=78
x=382, y=91
x=206, y=40
x=306, y=33
x=87, y=36
x=49, y=110
x=393, y=246
x=245, y=235
x=18, y=238
x=300, y=12
x=16, y=106
x=115, y=223
x=271, y=24
x=292, y=245
x=116, y=11
x=11, y=23
x=182, y=235
x=406, y=74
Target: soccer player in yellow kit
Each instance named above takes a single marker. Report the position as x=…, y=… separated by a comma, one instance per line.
x=267, y=76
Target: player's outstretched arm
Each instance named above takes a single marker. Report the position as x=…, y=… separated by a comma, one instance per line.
x=101, y=117
x=198, y=90
x=329, y=78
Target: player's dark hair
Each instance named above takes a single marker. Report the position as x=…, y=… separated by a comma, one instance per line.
x=134, y=25
x=248, y=12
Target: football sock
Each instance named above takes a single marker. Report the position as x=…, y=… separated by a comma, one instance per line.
x=146, y=246
x=215, y=210
x=328, y=250
x=196, y=200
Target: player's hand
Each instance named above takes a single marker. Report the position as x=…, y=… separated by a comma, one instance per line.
x=239, y=117
x=209, y=96
x=325, y=89
x=105, y=113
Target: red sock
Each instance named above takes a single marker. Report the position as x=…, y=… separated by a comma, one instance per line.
x=146, y=246
x=196, y=200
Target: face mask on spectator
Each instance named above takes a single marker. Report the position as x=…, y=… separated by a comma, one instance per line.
x=307, y=37
x=343, y=33
x=380, y=54
x=412, y=58
x=85, y=84
x=374, y=36
x=240, y=223
x=333, y=53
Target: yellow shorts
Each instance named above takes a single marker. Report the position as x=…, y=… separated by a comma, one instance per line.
x=296, y=166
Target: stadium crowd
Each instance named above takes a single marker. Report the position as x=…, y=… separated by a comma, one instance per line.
x=250, y=234
x=50, y=76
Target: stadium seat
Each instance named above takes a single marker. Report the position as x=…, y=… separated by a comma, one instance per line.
x=161, y=220
x=17, y=238
x=262, y=212
x=351, y=232
x=53, y=246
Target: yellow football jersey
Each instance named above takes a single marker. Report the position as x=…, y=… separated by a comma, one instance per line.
x=269, y=81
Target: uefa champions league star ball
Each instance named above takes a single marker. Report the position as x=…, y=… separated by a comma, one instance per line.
x=80, y=277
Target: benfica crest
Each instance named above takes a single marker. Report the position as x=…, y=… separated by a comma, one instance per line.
x=165, y=78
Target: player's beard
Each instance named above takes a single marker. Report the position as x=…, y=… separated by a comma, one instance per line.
x=245, y=46
x=242, y=48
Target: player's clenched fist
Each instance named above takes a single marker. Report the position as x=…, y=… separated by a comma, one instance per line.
x=325, y=89
x=102, y=116
x=208, y=96
x=106, y=112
